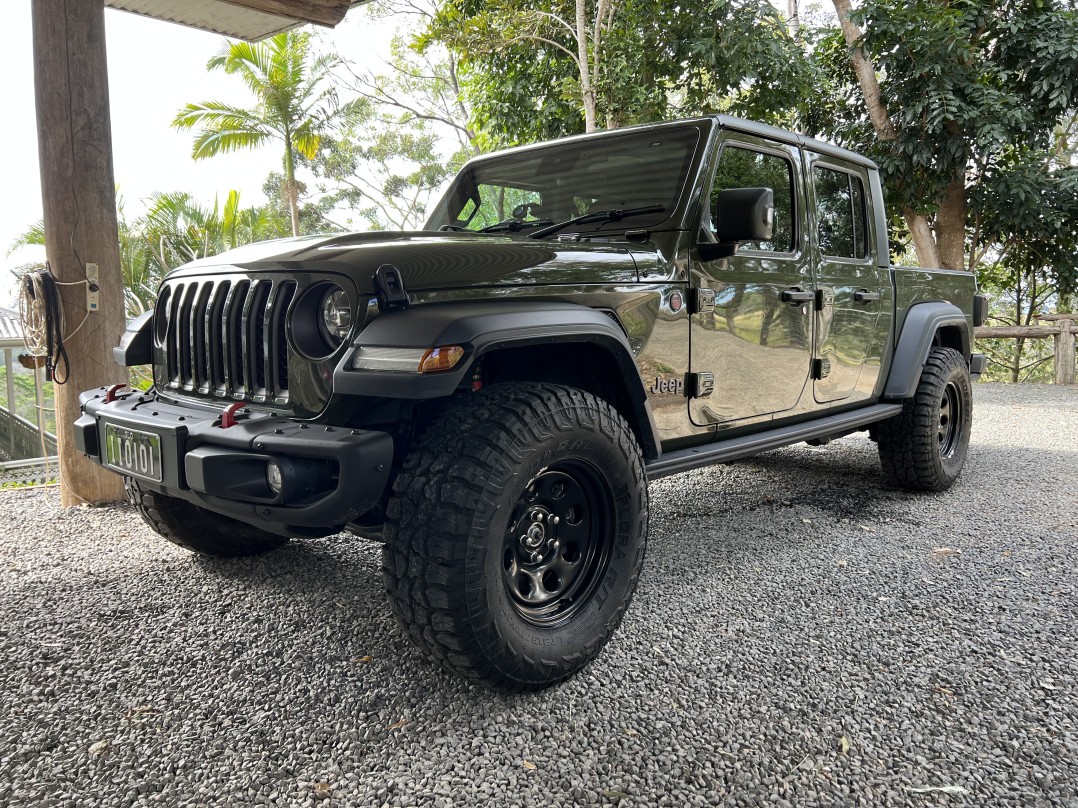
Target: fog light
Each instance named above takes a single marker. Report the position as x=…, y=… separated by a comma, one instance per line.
x=274, y=477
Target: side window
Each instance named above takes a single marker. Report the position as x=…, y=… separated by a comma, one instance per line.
x=744, y=168
x=840, y=213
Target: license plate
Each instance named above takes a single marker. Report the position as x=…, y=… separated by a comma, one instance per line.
x=133, y=452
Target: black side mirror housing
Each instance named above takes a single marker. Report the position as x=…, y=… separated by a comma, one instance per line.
x=741, y=214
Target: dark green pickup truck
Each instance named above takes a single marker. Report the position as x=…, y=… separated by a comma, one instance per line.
x=489, y=396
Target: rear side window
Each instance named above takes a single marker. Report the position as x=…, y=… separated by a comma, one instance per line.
x=745, y=168
x=840, y=213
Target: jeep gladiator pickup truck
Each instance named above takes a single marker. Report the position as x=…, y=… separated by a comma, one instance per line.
x=489, y=396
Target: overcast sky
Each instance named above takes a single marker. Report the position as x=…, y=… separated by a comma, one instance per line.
x=154, y=69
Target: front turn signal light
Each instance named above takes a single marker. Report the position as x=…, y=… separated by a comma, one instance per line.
x=444, y=358
x=407, y=360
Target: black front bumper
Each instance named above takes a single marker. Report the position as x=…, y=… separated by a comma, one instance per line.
x=332, y=474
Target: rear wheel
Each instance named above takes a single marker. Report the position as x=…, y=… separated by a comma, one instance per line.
x=197, y=529
x=924, y=447
x=516, y=534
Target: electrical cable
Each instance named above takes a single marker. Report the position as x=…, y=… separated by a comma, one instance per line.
x=42, y=313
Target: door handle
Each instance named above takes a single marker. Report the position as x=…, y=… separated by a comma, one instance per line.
x=796, y=295
x=865, y=296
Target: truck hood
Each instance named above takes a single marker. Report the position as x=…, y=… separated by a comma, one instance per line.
x=431, y=260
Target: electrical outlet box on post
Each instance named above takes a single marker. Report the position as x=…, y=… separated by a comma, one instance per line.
x=93, y=290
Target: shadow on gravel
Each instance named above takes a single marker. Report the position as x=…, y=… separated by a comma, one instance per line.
x=304, y=566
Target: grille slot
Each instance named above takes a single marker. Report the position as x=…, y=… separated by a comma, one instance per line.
x=226, y=338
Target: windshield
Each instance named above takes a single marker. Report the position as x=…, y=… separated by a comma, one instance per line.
x=524, y=191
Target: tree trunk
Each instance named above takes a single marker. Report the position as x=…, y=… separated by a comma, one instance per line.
x=951, y=225
x=920, y=231
x=587, y=90
x=793, y=19
x=290, y=190
x=924, y=243
x=1016, y=362
x=79, y=201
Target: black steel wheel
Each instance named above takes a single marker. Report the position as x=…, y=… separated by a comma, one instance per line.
x=924, y=447
x=949, y=430
x=554, y=553
x=516, y=533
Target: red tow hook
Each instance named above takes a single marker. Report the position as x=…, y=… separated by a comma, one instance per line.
x=110, y=394
x=228, y=417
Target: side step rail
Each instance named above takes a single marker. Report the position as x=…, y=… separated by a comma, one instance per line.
x=724, y=451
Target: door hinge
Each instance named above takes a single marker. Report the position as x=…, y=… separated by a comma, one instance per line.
x=699, y=385
x=703, y=301
x=821, y=368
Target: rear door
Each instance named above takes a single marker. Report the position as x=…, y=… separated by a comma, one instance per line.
x=755, y=331
x=854, y=293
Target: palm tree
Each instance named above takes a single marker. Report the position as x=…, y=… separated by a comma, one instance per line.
x=294, y=105
x=177, y=229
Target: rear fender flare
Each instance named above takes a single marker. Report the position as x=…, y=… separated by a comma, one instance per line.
x=923, y=322
x=482, y=327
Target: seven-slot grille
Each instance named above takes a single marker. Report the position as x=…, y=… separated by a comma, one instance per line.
x=226, y=337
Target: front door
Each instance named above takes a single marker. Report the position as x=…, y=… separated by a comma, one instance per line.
x=853, y=318
x=757, y=337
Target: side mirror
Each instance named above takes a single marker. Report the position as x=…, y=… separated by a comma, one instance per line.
x=741, y=214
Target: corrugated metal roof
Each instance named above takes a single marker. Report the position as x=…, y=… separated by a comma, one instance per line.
x=242, y=19
x=10, y=324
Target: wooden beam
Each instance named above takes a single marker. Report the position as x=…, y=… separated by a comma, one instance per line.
x=1015, y=331
x=79, y=200
x=322, y=12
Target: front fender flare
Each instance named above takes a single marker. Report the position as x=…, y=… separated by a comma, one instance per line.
x=915, y=342
x=481, y=327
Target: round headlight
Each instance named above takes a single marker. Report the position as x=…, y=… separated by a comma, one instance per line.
x=336, y=315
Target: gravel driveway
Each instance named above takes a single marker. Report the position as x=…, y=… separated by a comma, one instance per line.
x=802, y=636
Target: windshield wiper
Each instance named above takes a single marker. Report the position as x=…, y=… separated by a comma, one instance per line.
x=513, y=226
x=615, y=215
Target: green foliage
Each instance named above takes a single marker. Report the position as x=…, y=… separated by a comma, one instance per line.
x=387, y=175
x=26, y=398
x=967, y=85
x=1029, y=211
x=658, y=59
x=177, y=229
x=314, y=213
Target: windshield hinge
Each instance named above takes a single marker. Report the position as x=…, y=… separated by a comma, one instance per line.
x=389, y=288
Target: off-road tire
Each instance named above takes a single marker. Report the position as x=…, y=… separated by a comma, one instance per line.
x=492, y=459
x=197, y=529
x=924, y=447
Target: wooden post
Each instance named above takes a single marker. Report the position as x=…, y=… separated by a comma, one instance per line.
x=79, y=200
x=1065, y=353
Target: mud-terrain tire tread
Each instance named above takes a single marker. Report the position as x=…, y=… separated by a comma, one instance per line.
x=197, y=529
x=435, y=499
x=908, y=442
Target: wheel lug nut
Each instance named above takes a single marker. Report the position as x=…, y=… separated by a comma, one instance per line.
x=553, y=519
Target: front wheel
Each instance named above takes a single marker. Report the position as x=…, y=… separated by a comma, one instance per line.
x=197, y=529
x=924, y=447
x=516, y=534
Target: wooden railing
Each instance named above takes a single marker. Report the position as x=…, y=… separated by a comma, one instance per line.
x=1063, y=330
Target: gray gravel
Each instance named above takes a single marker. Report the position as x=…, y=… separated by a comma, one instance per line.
x=802, y=636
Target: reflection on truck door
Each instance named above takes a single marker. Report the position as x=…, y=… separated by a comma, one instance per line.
x=757, y=344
